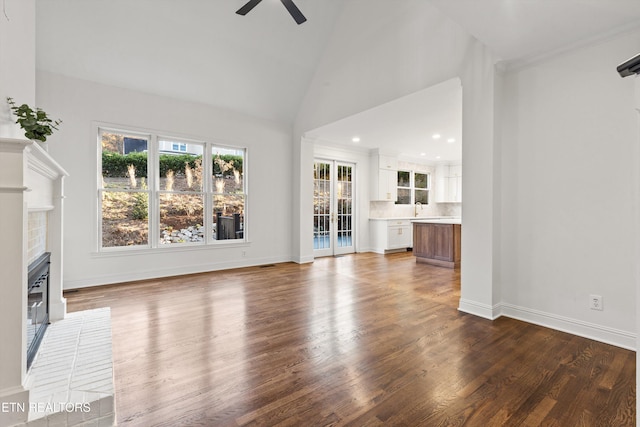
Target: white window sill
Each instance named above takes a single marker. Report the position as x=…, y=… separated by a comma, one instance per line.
x=182, y=247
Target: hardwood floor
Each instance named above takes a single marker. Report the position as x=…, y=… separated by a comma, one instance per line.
x=359, y=340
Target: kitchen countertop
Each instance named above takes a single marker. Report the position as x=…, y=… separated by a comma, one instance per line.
x=414, y=219
x=432, y=219
x=438, y=221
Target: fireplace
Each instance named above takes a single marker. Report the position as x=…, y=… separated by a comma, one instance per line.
x=37, y=304
x=31, y=208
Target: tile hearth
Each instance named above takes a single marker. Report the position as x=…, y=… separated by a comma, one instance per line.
x=71, y=380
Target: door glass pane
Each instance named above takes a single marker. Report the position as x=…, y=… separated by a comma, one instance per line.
x=321, y=206
x=344, y=199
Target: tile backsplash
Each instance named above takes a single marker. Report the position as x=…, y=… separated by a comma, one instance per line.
x=450, y=209
x=379, y=209
x=37, y=235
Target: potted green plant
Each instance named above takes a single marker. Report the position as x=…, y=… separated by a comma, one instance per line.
x=35, y=123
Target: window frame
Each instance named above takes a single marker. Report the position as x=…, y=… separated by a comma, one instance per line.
x=412, y=186
x=208, y=190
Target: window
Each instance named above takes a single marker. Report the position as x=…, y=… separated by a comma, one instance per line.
x=176, y=146
x=157, y=191
x=404, y=188
x=413, y=187
x=124, y=192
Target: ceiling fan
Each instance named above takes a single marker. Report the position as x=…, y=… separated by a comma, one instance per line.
x=292, y=8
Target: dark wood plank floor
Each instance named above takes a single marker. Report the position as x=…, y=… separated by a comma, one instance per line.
x=359, y=340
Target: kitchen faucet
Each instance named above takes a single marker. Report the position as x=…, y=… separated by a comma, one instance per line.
x=415, y=208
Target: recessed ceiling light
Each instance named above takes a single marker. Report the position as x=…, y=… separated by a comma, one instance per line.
x=436, y=136
x=423, y=154
x=450, y=140
x=355, y=139
x=438, y=157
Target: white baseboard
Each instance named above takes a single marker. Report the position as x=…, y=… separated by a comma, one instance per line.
x=619, y=338
x=303, y=260
x=479, y=309
x=168, y=272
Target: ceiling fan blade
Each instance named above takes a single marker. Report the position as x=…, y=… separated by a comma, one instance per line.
x=247, y=7
x=294, y=11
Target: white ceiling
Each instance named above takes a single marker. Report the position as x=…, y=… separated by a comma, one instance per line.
x=405, y=127
x=262, y=64
x=519, y=29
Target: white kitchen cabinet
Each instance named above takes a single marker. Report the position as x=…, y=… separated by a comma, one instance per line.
x=398, y=234
x=384, y=178
x=449, y=183
x=455, y=170
x=385, y=185
x=387, y=162
x=454, y=187
x=390, y=235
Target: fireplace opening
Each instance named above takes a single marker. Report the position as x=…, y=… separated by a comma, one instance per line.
x=37, y=304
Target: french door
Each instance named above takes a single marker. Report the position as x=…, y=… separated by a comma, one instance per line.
x=333, y=201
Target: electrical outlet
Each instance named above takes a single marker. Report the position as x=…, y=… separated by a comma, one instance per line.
x=595, y=302
x=244, y=253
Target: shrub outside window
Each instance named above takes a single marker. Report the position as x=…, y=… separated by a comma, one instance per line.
x=157, y=191
x=181, y=192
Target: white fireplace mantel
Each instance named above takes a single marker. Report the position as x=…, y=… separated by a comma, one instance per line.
x=30, y=181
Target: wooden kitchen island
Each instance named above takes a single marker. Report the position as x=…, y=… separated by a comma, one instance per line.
x=437, y=242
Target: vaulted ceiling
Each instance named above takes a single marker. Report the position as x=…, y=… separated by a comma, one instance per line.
x=200, y=50
x=261, y=64
x=527, y=29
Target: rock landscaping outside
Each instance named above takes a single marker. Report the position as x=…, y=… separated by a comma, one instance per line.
x=125, y=196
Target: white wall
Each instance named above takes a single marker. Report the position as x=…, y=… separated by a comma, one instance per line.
x=17, y=61
x=480, y=290
x=81, y=103
x=570, y=193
